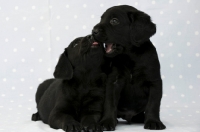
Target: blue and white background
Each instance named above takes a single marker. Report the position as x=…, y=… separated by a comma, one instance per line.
x=33, y=33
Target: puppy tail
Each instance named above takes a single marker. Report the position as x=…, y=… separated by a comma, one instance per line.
x=36, y=117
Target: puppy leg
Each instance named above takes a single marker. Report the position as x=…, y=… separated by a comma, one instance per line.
x=152, y=118
x=63, y=116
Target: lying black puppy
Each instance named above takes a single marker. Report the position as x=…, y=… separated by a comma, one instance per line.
x=134, y=85
x=74, y=100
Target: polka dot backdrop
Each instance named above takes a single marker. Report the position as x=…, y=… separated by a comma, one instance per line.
x=34, y=33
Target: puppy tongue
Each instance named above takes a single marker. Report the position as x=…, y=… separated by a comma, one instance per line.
x=108, y=47
x=95, y=43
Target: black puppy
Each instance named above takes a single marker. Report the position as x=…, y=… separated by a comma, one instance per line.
x=74, y=100
x=134, y=85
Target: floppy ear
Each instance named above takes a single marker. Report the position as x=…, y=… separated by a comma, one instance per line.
x=141, y=28
x=64, y=68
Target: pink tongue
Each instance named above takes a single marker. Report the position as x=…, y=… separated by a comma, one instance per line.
x=109, y=47
x=95, y=43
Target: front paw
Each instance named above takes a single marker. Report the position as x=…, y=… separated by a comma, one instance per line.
x=109, y=124
x=154, y=125
x=72, y=126
x=92, y=128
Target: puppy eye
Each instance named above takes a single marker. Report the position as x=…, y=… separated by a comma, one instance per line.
x=114, y=21
x=75, y=45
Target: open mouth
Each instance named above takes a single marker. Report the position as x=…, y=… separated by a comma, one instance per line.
x=109, y=47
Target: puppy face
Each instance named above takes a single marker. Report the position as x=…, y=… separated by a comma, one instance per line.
x=82, y=53
x=121, y=28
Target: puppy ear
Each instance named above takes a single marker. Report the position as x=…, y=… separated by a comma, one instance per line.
x=64, y=68
x=141, y=28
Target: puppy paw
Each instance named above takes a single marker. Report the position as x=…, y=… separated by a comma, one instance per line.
x=109, y=124
x=154, y=125
x=72, y=127
x=92, y=128
x=36, y=117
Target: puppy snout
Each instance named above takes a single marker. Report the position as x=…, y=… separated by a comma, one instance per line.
x=95, y=31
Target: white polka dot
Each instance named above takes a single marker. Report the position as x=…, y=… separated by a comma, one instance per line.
x=40, y=60
x=21, y=95
x=14, y=70
x=7, y=18
x=66, y=27
x=179, y=54
x=3, y=95
x=186, y=106
x=49, y=49
x=101, y=5
x=170, y=22
x=171, y=65
x=15, y=29
x=30, y=100
x=22, y=79
x=193, y=102
x=49, y=69
x=31, y=87
x=16, y=7
x=31, y=70
x=19, y=105
x=189, y=65
x=196, y=11
x=67, y=6
x=75, y=16
x=180, y=76
x=32, y=49
x=10, y=109
x=163, y=77
x=167, y=106
x=5, y=60
x=41, y=18
x=13, y=88
x=172, y=87
x=24, y=18
x=188, y=1
x=84, y=5
x=178, y=111
x=153, y=2
x=182, y=95
x=161, y=12
x=29, y=108
x=58, y=17
x=179, y=33
x=161, y=33
x=23, y=39
x=198, y=76
x=188, y=43
x=197, y=112
x=196, y=33
x=41, y=39
x=49, y=28
x=162, y=55
x=92, y=16
x=11, y=101
x=23, y=60
x=57, y=38
x=190, y=87
x=40, y=79
x=197, y=54
x=170, y=1
x=15, y=50
x=84, y=27
x=33, y=7
x=119, y=4
x=188, y=22
x=175, y=102
x=50, y=7
x=164, y=95
x=179, y=11
x=6, y=40
x=32, y=28
x=170, y=44
x=136, y=3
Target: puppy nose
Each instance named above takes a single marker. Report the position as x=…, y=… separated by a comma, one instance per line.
x=95, y=31
x=89, y=36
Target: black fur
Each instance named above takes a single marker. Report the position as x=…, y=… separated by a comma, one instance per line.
x=134, y=85
x=74, y=100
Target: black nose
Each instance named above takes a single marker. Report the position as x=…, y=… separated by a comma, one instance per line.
x=95, y=31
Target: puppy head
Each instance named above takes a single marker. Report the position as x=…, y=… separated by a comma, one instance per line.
x=83, y=52
x=122, y=27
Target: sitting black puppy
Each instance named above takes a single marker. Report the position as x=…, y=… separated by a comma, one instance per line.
x=74, y=100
